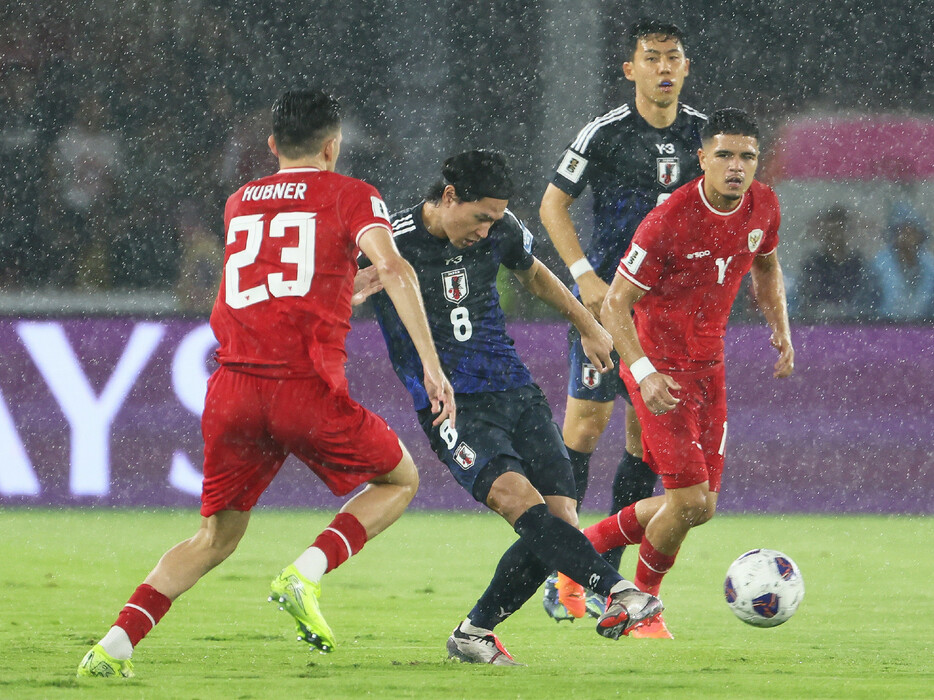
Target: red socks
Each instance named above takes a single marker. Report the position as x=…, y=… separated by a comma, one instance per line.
x=616, y=530
x=340, y=540
x=652, y=567
x=624, y=529
x=142, y=612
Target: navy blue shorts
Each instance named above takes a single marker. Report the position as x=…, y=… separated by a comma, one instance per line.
x=585, y=382
x=503, y=431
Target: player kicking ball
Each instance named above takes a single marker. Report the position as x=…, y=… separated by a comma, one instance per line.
x=506, y=450
x=679, y=278
x=281, y=317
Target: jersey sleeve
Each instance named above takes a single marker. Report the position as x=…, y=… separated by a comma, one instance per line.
x=517, y=243
x=361, y=208
x=645, y=258
x=571, y=174
x=770, y=240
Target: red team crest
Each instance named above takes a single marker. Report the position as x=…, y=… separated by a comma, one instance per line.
x=669, y=170
x=455, y=284
x=755, y=239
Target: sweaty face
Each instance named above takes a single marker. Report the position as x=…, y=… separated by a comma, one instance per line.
x=729, y=163
x=658, y=68
x=465, y=223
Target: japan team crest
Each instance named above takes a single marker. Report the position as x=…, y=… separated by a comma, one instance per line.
x=668, y=170
x=465, y=456
x=455, y=284
x=590, y=377
x=755, y=239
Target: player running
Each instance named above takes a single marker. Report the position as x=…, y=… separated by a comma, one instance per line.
x=281, y=317
x=680, y=277
x=506, y=449
x=632, y=157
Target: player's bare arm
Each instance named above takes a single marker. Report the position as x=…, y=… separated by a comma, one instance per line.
x=556, y=218
x=401, y=284
x=543, y=283
x=769, y=286
x=655, y=387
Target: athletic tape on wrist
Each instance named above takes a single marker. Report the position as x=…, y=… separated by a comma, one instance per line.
x=580, y=267
x=641, y=369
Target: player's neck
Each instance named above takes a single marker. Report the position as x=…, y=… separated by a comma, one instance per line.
x=430, y=219
x=317, y=161
x=658, y=116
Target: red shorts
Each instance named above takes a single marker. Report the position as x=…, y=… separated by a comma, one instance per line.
x=251, y=424
x=685, y=446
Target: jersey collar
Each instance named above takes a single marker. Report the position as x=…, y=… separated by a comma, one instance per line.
x=300, y=170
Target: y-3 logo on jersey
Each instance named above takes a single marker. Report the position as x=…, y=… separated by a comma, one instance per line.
x=455, y=284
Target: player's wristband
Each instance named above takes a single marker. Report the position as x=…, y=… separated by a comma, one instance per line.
x=641, y=369
x=580, y=267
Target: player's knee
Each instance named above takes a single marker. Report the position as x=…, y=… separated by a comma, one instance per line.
x=710, y=510
x=583, y=434
x=692, y=508
x=511, y=495
x=564, y=508
x=216, y=544
x=405, y=475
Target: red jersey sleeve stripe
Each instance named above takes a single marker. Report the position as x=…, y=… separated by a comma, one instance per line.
x=623, y=272
x=366, y=228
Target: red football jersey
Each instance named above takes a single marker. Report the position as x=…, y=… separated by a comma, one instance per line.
x=283, y=308
x=690, y=258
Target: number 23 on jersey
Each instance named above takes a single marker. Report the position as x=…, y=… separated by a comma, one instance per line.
x=301, y=256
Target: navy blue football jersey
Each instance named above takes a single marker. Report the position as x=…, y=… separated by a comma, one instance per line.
x=462, y=304
x=631, y=167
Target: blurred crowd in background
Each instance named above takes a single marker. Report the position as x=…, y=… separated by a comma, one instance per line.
x=124, y=126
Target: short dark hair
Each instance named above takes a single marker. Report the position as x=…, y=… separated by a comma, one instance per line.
x=730, y=120
x=645, y=27
x=301, y=119
x=475, y=175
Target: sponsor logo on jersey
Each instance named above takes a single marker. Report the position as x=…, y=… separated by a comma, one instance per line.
x=527, y=238
x=465, y=456
x=455, y=284
x=379, y=208
x=755, y=239
x=633, y=261
x=698, y=254
x=668, y=170
x=590, y=377
x=572, y=166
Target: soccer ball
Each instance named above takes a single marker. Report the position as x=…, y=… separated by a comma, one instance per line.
x=763, y=587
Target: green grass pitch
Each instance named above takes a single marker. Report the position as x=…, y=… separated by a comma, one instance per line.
x=864, y=630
